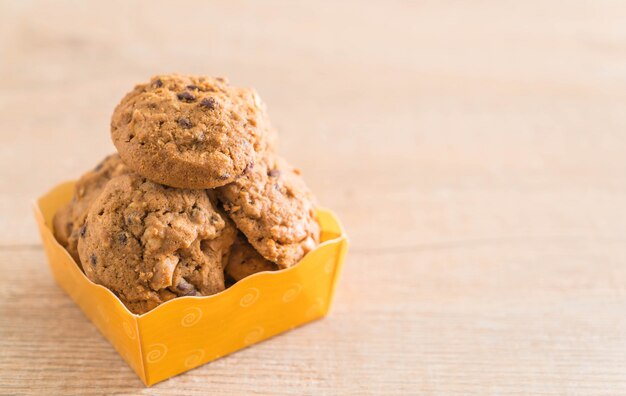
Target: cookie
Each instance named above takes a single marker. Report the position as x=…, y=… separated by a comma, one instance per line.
x=244, y=261
x=149, y=243
x=275, y=210
x=70, y=218
x=190, y=132
x=62, y=223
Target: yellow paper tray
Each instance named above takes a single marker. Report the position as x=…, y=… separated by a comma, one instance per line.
x=187, y=332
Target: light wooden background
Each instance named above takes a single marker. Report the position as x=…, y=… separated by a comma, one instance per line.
x=475, y=150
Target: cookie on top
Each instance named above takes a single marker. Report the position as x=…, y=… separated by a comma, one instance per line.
x=190, y=132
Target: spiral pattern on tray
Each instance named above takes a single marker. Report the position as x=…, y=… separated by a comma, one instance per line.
x=192, y=315
x=250, y=297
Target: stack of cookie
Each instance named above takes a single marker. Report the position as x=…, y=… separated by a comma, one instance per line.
x=195, y=199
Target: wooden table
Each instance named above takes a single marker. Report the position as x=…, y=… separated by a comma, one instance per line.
x=475, y=151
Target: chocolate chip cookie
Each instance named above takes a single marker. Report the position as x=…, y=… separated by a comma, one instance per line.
x=275, y=210
x=190, y=132
x=62, y=223
x=244, y=261
x=149, y=243
x=70, y=218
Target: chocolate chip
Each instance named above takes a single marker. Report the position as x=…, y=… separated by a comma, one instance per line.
x=158, y=83
x=122, y=238
x=273, y=173
x=92, y=259
x=184, y=286
x=192, y=87
x=99, y=166
x=186, y=96
x=83, y=230
x=187, y=288
x=129, y=220
x=185, y=123
x=209, y=103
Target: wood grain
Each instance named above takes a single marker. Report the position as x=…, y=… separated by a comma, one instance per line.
x=475, y=152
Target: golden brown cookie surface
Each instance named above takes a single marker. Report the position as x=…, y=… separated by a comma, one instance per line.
x=244, y=261
x=62, y=223
x=273, y=207
x=70, y=218
x=149, y=243
x=190, y=132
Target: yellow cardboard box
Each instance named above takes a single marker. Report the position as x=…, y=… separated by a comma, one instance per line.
x=189, y=331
